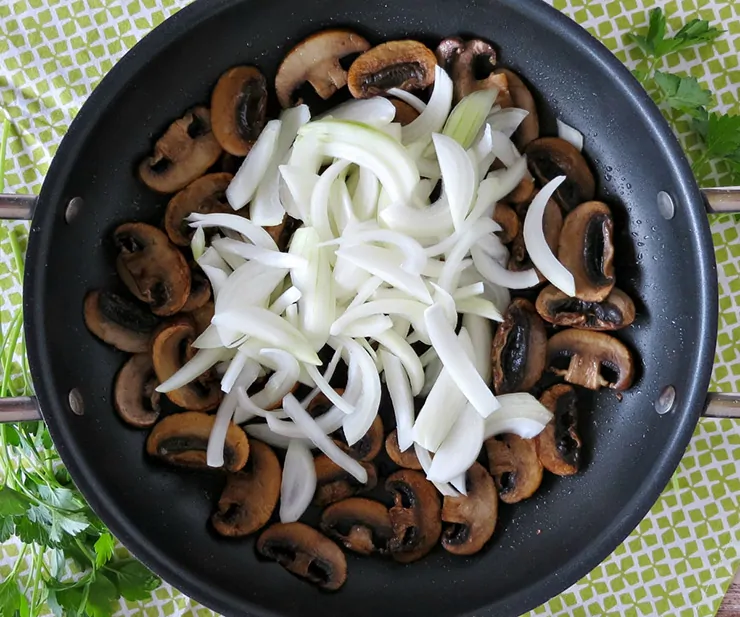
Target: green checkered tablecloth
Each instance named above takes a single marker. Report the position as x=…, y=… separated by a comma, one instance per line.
x=681, y=558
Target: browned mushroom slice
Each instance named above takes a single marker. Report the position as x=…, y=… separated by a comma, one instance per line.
x=361, y=525
x=182, y=439
x=617, y=311
x=514, y=466
x=523, y=193
x=405, y=459
x=448, y=51
x=119, y=321
x=283, y=232
x=559, y=445
x=305, y=552
x=134, y=394
x=369, y=446
x=152, y=268
x=472, y=517
x=415, y=516
x=316, y=61
x=549, y=157
x=509, y=221
x=334, y=484
x=200, y=290
x=170, y=350
x=408, y=65
x=238, y=108
x=182, y=154
x=202, y=317
x=590, y=359
x=521, y=97
x=518, y=351
x=250, y=496
x=405, y=114
x=205, y=195
x=473, y=70
x=320, y=404
x=587, y=250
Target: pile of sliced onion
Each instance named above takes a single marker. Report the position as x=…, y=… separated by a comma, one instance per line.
x=374, y=268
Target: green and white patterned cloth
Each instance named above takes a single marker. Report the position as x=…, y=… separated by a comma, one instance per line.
x=682, y=557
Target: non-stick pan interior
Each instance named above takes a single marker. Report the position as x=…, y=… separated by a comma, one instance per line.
x=540, y=546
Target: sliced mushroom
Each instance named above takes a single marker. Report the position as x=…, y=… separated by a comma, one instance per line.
x=334, y=484
x=472, y=517
x=170, y=350
x=408, y=65
x=405, y=114
x=549, y=157
x=152, y=268
x=523, y=193
x=587, y=250
x=305, y=552
x=518, y=350
x=473, y=69
x=250, y=495
x=186, y=150
x=617, y=311
x=202, y=317
x=134, y=394
x=200, y=290
x=283, y=232
x=448, y=51
x=316, y=60
x=415, y=516
x=361, y=525
x=320, y=404
x=119, y=321
x=182, y=439
x=238, y=108
x=369, y=446
x=514, y=466
x=521, y=97
x=510, y=226
x=205, y=195
x=582, y=357
x=559, y=445
x=405, y=459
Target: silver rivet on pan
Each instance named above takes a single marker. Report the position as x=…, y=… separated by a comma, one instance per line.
x=73, y=209
x=667, y=399
x=76, y=404
x=666, y=207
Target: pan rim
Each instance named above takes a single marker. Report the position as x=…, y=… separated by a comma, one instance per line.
x=50, y=213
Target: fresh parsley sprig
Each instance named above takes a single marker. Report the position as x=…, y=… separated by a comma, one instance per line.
x=41, y=506
x=683, y=93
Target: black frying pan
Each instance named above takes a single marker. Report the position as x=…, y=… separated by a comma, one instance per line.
x=541, y=546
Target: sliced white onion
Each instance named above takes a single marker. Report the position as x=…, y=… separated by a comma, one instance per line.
x=217, y=278
x=432, y=117
x=569, y=134
x=194, y=368
x=237, y=364
x=537, y=247
x=458, y=176
x=481, y=336
x=275, y=259
x=438, y=414
x=408, y=98
x=267, y=435
x=425, y=460
x=366, y=398
x=376, y=111
x=254, y=233
x=507, y=121
x=503, y=148
x=459, y=483
x=467, y=118
x=244, y=185
x=251, y=284
x=369, y=327
x=468, y=291
x=288, y=297
x=298, y=483
x=493, y=271
x=365, y=195
x=198, y=243
x=461, y=248
x=521, y=414
x=401, y=398
x=401, y=349
x=300, y=183
x=460, y=448
x=410, y=309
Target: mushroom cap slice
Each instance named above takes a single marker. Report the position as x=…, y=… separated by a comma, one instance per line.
x=518, y=349
x=316, y=60
x=360, y=525
x=134, y=395
x=408, y=65
x=559, y=445
x=549, y=157
x=523, y=193
x=369, y=446
x=238, y=108
x=474, y=58
x=152, y=268
x=205, y=195
x=119, y=321
x=170, y=350
x=202, y=317
x=515, y=467
x=448, y=51
x=415, y=516
x=186, y=150
x=405, y=114
x=182, y=438
x=250, y=495
x=305, y=552
x=521, y=97
x=200, y=290
x=587, y=250
x=510, y=225
x=581, y=356
x=615, y=312
x=472, y=517
x=334, y=484
x=407, y=459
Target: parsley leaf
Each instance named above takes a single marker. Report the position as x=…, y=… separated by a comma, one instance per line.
x=654, y=43
x=723, y=136
x=101, y=596
x=684, y=94
x=10, y=597
x=7, y=528
x=133, y=580
x=13, y=503
x=104, y=549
